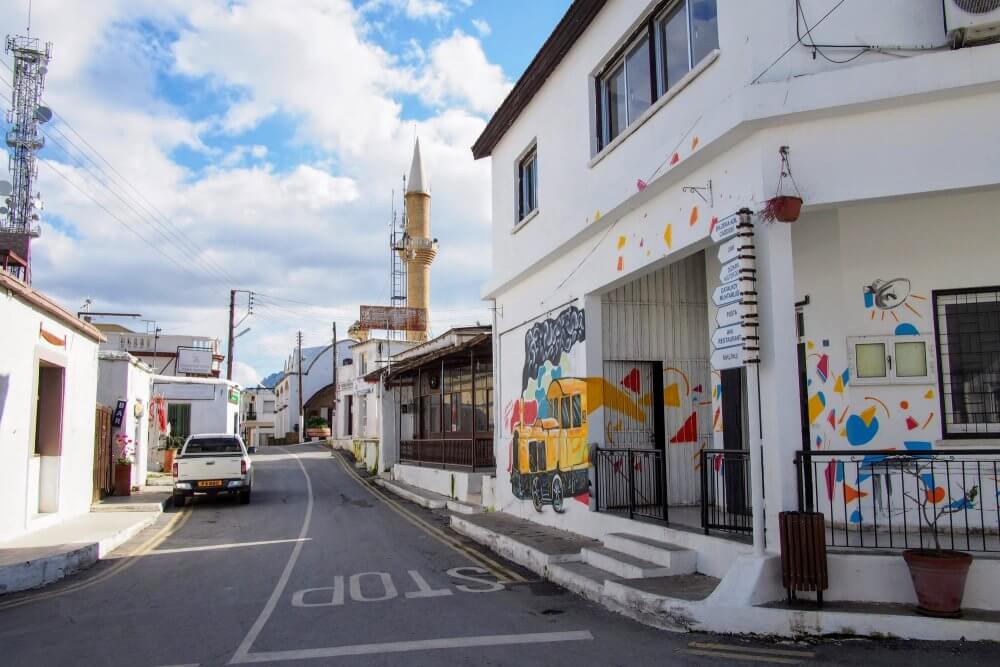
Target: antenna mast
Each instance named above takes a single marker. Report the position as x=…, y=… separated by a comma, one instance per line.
x=19, y=215
x=397, y=270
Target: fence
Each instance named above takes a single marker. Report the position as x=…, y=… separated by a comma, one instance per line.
x=631, y=481
x=104, y=475
x=471, y=453
x=725, y=491
x=899, y=499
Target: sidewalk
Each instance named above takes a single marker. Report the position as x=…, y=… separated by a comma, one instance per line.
x=44, y=556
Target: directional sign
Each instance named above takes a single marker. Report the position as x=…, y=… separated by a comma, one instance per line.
x=734, y=313
x=730, y=271
x=732, y=357
x=730, y=250
x=727, y=337
x=726, y=228
x=726, y=294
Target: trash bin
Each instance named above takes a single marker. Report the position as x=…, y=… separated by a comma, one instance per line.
x=803, y=553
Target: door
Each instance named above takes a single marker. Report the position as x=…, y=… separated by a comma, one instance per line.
x=734, y=438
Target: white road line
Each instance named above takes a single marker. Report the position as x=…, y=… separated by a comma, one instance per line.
x=233, y=545
x=737, y=656
x=417, y=645
x=279, y=589
x=753, y=649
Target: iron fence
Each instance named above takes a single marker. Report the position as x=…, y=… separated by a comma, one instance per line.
x=632, y=482
x=904, y=499
x=725, y=490
x=470, y=453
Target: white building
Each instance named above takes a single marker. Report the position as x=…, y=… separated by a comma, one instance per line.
x=317, y=388
x=257, y=407
x=125, y=381
x=878, y=310
x=48, y=396
x=199, y=405
x=170, y=354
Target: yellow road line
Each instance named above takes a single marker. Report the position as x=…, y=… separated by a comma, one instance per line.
x=155, y=540
x=503, y=574
x=753, y=649
x=733, y=655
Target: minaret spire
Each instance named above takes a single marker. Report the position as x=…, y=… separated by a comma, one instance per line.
x=419, y=248
x=417, y=182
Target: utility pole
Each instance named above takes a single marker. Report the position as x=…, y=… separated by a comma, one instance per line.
x=334, y=411
x=302, y=421
x=232, y=332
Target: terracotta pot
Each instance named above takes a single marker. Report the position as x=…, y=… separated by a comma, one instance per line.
x=123, y=479
x=938, y=579
x=168, y=459
x=786, y=209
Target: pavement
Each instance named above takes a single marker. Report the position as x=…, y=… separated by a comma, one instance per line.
x=324, y=568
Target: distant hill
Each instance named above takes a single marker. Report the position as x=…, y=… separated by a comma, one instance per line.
x=271, y=380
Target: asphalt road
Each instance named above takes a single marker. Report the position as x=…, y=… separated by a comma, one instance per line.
x=322, y=569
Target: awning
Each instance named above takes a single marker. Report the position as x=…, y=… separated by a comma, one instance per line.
x=396, y=369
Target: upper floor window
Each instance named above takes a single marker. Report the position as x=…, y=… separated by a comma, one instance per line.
x=527, y=184
x=676, y=37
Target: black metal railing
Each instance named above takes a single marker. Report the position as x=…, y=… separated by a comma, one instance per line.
x=632, y=482
x=725, y=491
x=904, y=499
x=471, y=453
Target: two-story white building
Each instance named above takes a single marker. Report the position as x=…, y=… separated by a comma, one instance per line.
x=179, y=355
x=317, y=388
x=630, y=305
x=257, y=405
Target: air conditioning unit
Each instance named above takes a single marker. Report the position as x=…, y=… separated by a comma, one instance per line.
x=972, y=20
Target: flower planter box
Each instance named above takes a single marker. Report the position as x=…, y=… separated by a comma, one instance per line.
x=318, y=432
x=123, y=479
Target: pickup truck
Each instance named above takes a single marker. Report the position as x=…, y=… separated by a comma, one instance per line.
x=212, y=463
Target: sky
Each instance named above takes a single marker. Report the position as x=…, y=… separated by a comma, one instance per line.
x=200, y=146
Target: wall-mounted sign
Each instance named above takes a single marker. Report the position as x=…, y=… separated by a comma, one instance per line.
x=726, y=228
x=726, y=294
x=234, y=395
x=194, y=360
x=727, y=337
x=730, y=357
x=732, y=314
x=186, y=392
x=730, y=250
x=393, y=318
x=119, y=416
x=732, y=271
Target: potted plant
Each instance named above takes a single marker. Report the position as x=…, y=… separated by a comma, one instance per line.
x=938, y=574
x=317, y=427
x=783, y=207
x=124, y=457
x=171, y=445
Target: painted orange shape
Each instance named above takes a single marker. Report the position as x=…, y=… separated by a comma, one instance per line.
x=694, y=216
x=621, y=263
x=694, y=143
x=851, y=494
x=935, y=496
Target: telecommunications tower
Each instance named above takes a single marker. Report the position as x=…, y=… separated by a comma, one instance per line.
x=397, y=268
x=19, y=215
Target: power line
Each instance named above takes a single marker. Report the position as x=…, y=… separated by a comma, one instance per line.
x=795, y=43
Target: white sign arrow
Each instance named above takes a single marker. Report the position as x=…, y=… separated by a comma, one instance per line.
x=728, y=358
x=727, y=337
x=729, y=315
x=726, y=228
x=730, y=271
x=730, y=250
x=726, y=294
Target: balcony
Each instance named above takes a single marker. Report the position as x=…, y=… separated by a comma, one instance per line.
x=470, y=454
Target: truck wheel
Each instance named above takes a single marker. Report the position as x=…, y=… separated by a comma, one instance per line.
x=557, y=495
x=245, y=497
x=179, y=500
x=536, y=493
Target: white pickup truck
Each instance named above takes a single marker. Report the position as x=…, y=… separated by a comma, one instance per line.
x=212, y=463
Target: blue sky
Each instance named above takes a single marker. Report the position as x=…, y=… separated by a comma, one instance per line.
x=256, y=144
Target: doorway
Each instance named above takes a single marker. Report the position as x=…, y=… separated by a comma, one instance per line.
x=48, y=433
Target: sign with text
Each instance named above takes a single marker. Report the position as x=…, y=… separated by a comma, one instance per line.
x=732, y=271
x=119, y=415
x=730, y=357
x=734, y=313
x=194, y=360
x=726, y=294
x=731, y=249
x=727, y=337
x=726, y=228
x=393, y=318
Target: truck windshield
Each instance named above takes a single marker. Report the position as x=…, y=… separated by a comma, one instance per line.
x=213, y=446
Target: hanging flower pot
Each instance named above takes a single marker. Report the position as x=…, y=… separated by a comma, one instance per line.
x=782, y=207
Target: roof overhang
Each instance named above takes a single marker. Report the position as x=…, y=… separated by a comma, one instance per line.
x=395, y=370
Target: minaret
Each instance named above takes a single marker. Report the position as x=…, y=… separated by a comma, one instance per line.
x=419, y=247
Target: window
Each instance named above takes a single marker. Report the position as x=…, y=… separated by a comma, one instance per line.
x=214, y=445
x=577, y=411
x=884, y=360
x=968, y=338
x=179, y=417
x=674, y=39
x=362, y=416
x=527, y=184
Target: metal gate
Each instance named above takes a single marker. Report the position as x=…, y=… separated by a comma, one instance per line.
x=104, y=474
x=630, y=472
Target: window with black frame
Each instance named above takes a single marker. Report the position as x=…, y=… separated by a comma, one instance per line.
x=672, y=41
x=527, y=184
x=484, y=396
x=968, y=344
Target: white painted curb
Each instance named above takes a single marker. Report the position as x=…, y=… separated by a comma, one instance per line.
x=416, y=498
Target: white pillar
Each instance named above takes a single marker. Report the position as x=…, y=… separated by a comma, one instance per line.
x=780, y=421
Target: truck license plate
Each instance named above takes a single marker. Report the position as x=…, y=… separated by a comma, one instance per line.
x=207, y=483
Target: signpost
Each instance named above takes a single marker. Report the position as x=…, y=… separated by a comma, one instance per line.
x=731, y=314
x=726, y=294
x=726, y=228
x=728, y=358
x=393, y=318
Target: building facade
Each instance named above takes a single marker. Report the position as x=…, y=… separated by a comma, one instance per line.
x=257, y=406
x=621, y=162
x=125, y=381
x=171, y=354
x=317, y=389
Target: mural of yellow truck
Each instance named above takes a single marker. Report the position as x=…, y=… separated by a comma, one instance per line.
x=550, y=457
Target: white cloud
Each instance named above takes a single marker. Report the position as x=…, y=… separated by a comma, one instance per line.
x=244, y=374
x=482, y=27
x=458, y=72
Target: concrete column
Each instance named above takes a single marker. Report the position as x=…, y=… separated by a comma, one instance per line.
x=779, y=390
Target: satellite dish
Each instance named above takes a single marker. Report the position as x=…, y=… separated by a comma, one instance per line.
x=5, y=188
x=43, y=114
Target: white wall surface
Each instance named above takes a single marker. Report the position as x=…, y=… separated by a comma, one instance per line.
x=124, y=379
x=208, y=415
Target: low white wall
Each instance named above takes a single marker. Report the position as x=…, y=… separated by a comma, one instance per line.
x=489, y=492
x=452, y=483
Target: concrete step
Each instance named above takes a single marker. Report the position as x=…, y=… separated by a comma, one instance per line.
x=581, y=578
x=464, y=508
x=422, y=497
x=622, y=564
x=679, y=560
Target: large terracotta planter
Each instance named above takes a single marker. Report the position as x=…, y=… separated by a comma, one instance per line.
x=168, y=459
x=939, y=580
x=123, y=479
x=323, y=432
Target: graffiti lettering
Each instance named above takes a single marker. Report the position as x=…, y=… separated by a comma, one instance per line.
x=549, y=339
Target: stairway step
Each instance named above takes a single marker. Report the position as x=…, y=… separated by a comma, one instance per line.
x=680, y=560
x=581, y=578
x=623, y=564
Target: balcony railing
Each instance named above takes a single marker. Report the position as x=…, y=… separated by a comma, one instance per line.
x=725, y=491
x=904, y=499
x=631, y=482
x=466, y=453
